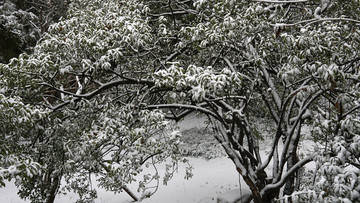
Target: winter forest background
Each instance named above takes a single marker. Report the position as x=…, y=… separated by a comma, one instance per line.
x=92, y=91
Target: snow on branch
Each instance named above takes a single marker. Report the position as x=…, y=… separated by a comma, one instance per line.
x=271, y=85
x=115, y=83
x=179, y=12
x=313, y=21
x=292, y=170
x=350, y=111
x=183, y=106
x=174, y=55
x=281, y=2
x=124, y=187
x=235, y=97
x=102, y=87
x=97, y=91
x=59, y=106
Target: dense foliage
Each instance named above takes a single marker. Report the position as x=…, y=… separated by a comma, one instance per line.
x=103, y=83
x=23, y=21
x=108, y=135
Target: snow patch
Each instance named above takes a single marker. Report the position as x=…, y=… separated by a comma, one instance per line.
x=232, y=196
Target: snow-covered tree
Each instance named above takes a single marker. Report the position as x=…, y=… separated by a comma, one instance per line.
x=17, y=31
x=23, y=21
x=112, y=72
x=14, y=158
x=107, y=134
x=295, y=60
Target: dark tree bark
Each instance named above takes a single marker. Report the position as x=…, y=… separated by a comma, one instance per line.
x=55, y=183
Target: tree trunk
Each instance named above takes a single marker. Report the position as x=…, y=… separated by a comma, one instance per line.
x=53, y=189
x=290, y=184
x=267, y=198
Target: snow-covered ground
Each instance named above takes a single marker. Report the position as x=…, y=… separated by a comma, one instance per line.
x=212, y=178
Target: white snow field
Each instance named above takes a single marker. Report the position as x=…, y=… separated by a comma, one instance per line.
x=211, y=178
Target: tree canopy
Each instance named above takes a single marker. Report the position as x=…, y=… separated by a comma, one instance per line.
x=99, y=92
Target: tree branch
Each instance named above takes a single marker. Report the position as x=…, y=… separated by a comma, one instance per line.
x=314, y=20
x=124, y=187
x=183, y=106
x=350, y=112
x=281, y=2
x=103, y=87
x=284, y=178
x=180, y=12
